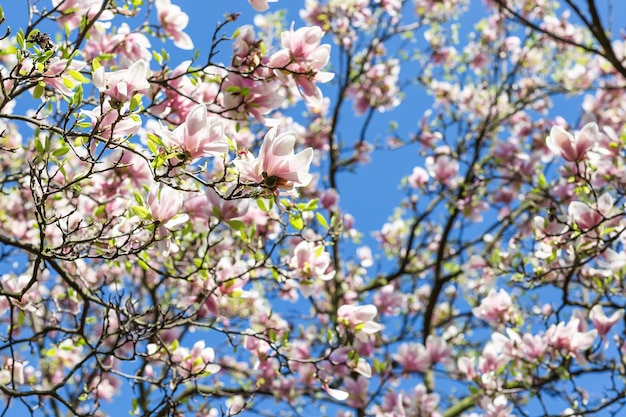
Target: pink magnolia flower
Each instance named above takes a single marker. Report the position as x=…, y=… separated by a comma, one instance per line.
x=110, y=124
x=13, y=372
x=443, y=168
x=466, y=366
x=358, y=390
x=364, y=253
x=496, y=407
x=56, y=75
x=360, y=320
x=377, y=88
x=261, y=5
x=570, y=338
x=418, y=177
x=586, y=217
x=123, y=84
x=303, y=57
x=173, y=20
x=243, y=95
x=311, y=261
x=73, y=11
x=106, y=386
x=413, y=357
x=496, y=308
x=388, y=300
x=492, y=357
x=533, y=346
x=277, y=167
x=197, y=362
x=164, y=202
x=125, y=45
x=199, y=136
x=572, y=148
x=438, y=350
x=224, y=209
x=601, y=322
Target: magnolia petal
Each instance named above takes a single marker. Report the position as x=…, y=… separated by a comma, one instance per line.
x=183, y=41
x=339, y=395
x=363, y=368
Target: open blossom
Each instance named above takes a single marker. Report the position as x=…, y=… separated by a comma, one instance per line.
x=418, y=177
x=106, y=386
x=413, y=357
x=199, y=136
x=496, y=308
x=303, y=57
x=311, y=261
x=443, y=168
x=572, y=148
x=74, y=11
x=197, y=362
x=110, y=124
x=221, y=208
x=377, y=88
x=601, y=322
x=14, y=372
x=497, y=407
x=277, y=167
x=586, y=217
x=359, y=319
x=53, y=76
x=125, y=45
x=261, y=5
x=173, y=20
x=123, y=84
x=570, y=338
x=243, y=95
x=164, y=202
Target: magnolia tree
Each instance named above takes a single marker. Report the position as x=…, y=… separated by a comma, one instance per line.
x=173, y=240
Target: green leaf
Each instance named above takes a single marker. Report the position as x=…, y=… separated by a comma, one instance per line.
x=142, y=212
x=61, y=151
x=297, y=222
x=143, y=264
x=261, y=203
x=312, y=205
x=77, y=98
x=68, y=83
x=321, y=219
x=154, y=138
x=39, y=89
x=157, y=57
x=237, y=225
x=542, y=181
x=45, y=57
x=77, y=76
x=135, y=101
x=38, y=146
x=20, y=39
